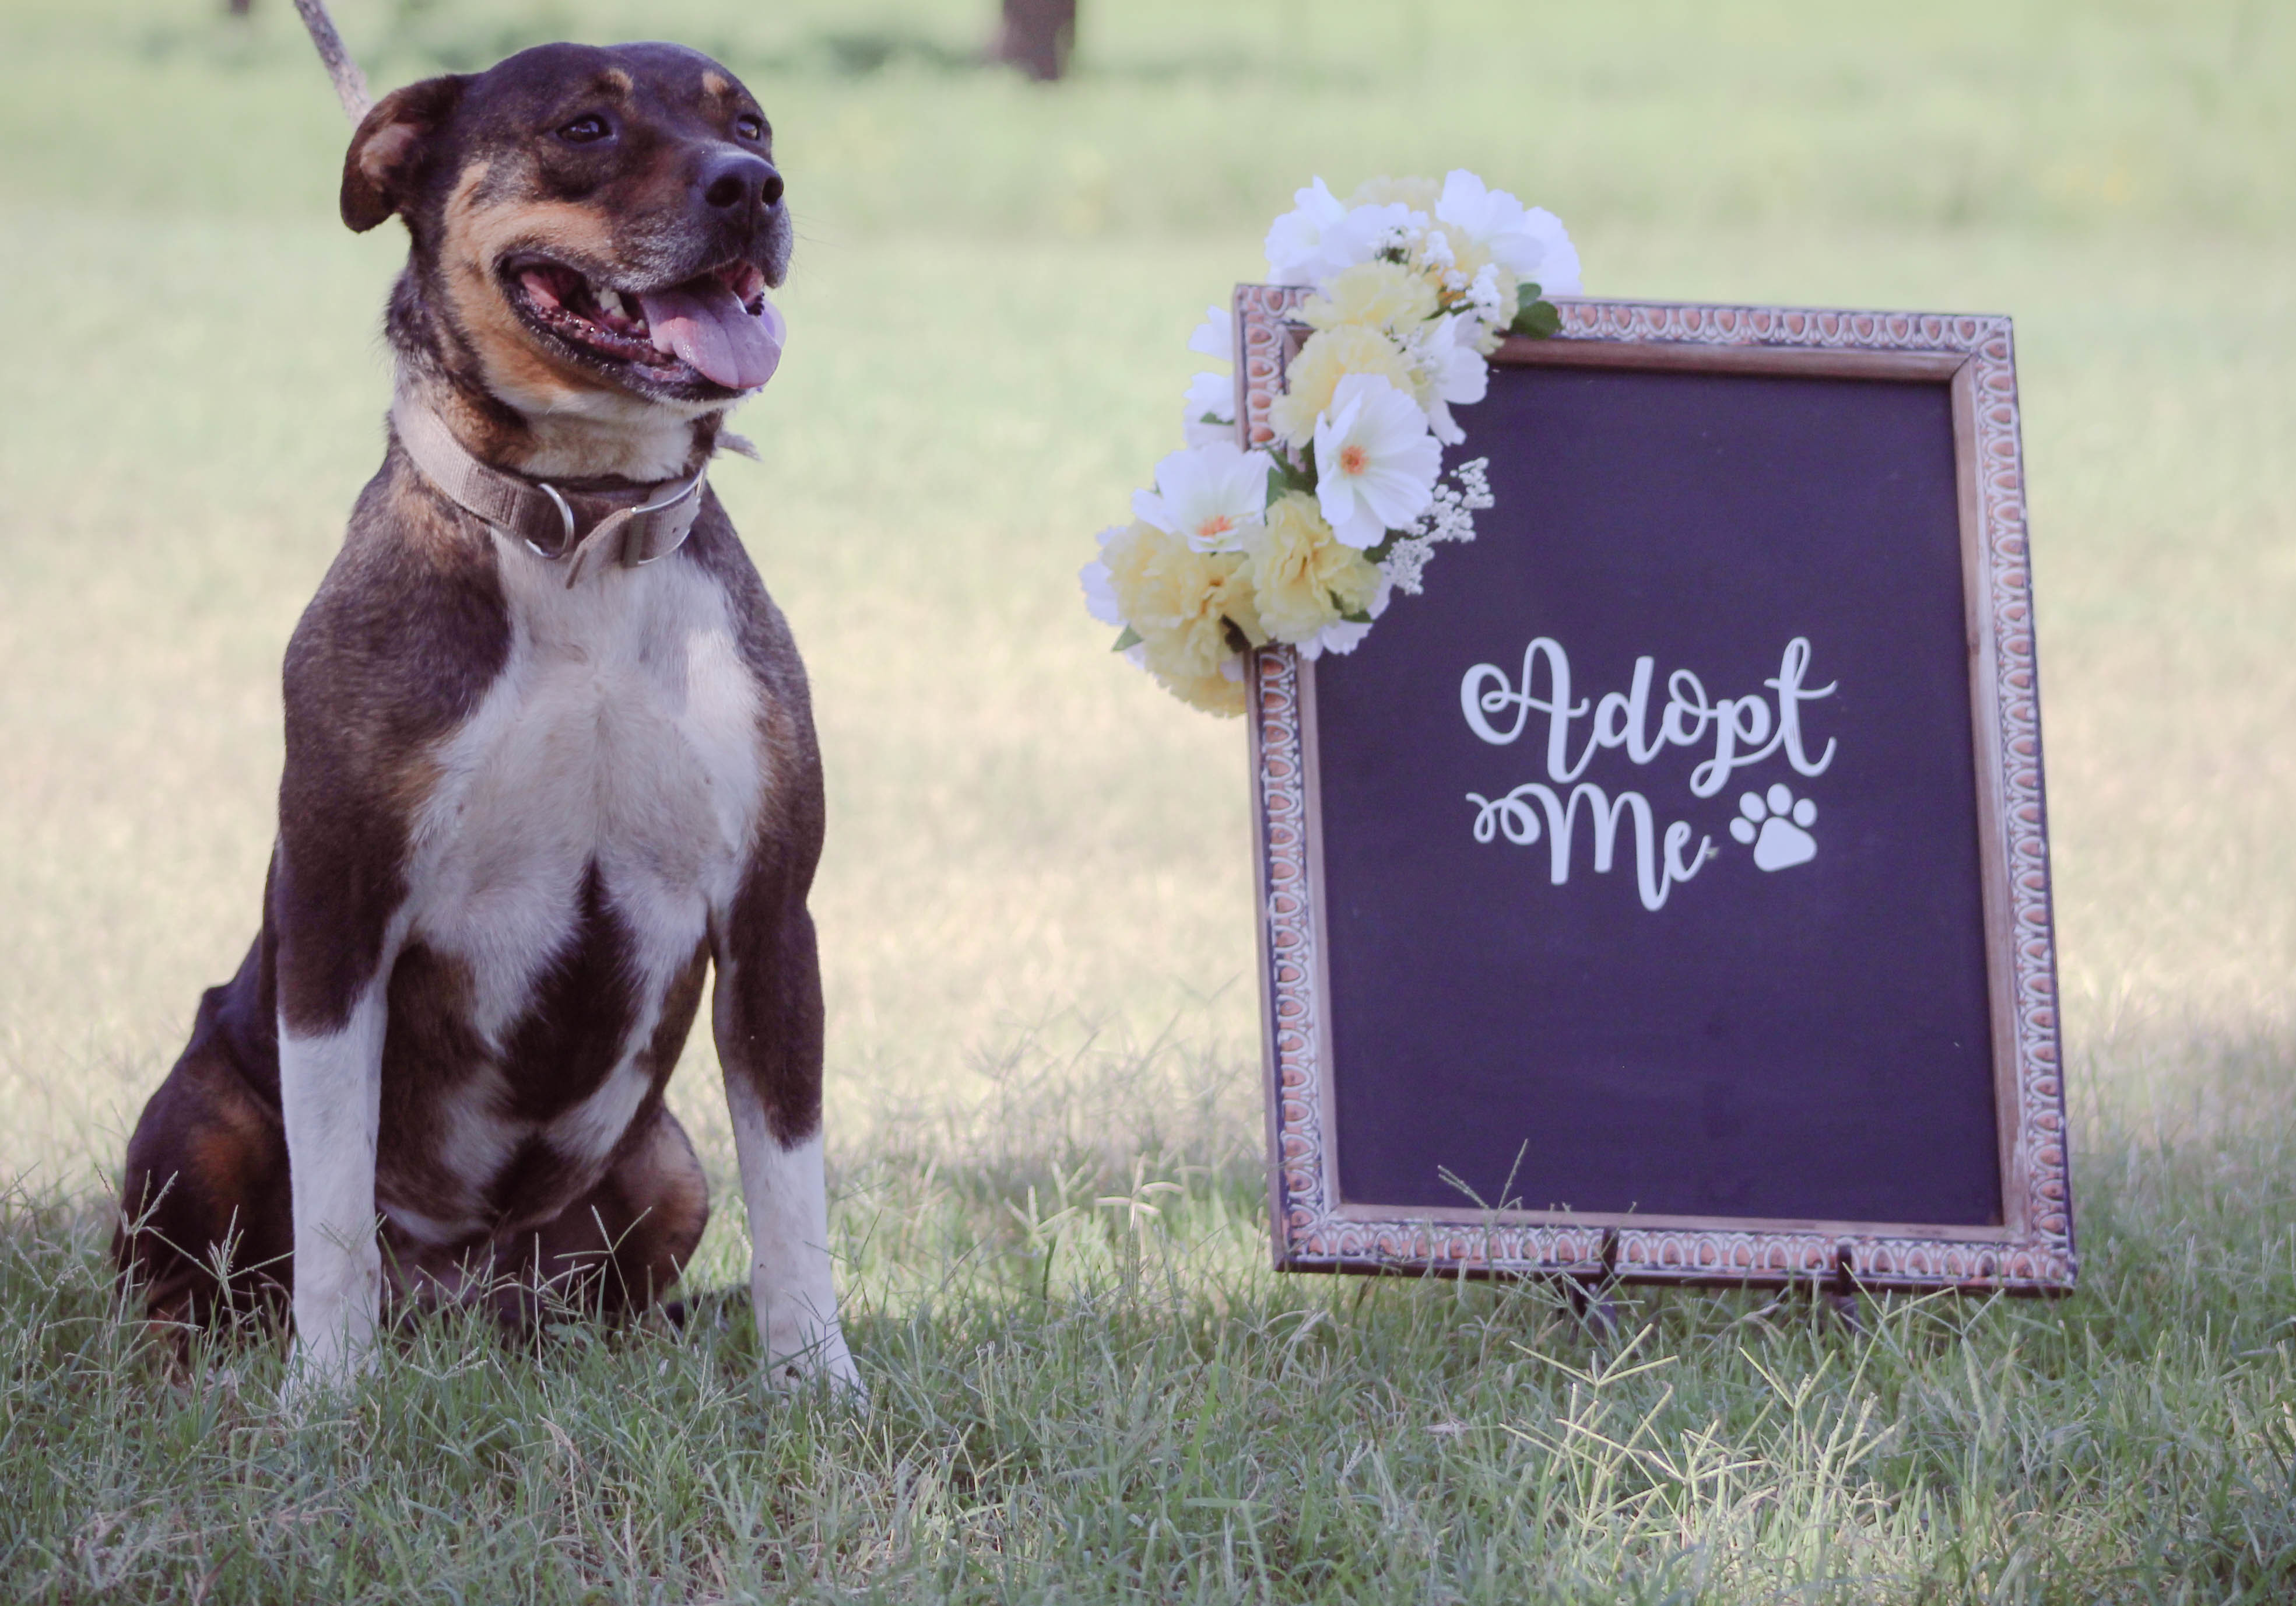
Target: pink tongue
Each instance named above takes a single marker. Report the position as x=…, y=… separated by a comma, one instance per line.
x=709, y=329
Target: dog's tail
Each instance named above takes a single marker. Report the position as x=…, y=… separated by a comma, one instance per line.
x=351, y=83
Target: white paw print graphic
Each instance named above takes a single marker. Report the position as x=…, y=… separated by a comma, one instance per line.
x=1782, y=842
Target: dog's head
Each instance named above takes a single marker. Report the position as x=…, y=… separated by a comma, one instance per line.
x=587, y=224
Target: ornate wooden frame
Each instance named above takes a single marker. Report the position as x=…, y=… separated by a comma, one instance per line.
x=2032, y=1251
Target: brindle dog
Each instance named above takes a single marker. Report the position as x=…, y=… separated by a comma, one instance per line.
x=527, y=802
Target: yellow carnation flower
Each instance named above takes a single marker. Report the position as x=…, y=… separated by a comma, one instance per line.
x=1329, y=357
x=1213, y=694
x=1420, y=195
x=1179, y=602
x=1376, y=296
x=1302, y=577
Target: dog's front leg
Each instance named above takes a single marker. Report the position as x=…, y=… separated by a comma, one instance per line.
x=768, y=1019
x=330, y=1089
x=334, y=970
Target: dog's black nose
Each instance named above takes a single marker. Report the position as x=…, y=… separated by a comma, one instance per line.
x=735, y=181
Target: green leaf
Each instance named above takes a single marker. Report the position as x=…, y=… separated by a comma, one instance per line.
x=1538, y=321
x=1378, y=555
x=1285, y=477
x=1130, y=638
x=1526, y=296
x=1238, y=639
x=1355, y=618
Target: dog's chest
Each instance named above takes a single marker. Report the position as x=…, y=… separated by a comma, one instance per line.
x=623, y=732
x=581, y=829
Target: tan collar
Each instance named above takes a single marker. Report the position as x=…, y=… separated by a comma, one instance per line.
x=634, y=527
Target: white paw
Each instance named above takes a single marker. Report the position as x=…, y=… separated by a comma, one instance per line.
x=319, y=1382
x=802, y=1359
x=1773, y=826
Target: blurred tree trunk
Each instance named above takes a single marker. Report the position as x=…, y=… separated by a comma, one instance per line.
x=1036, y=36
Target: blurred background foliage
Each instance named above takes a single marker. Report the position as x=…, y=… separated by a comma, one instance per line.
x=2048, y=114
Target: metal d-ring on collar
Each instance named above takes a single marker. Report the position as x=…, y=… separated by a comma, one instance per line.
x=565, y=514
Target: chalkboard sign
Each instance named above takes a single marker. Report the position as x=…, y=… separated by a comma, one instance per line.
x=1663, y=893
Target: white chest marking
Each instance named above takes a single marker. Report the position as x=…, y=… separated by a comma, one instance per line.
x=623, y=731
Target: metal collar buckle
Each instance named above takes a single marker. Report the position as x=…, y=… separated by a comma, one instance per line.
x=692, y=487
x=568, y=543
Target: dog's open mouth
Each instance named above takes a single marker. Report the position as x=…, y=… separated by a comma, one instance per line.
x=718, y=326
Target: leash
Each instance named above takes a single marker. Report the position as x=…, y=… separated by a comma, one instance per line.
x=351, y=83
x=634, y=527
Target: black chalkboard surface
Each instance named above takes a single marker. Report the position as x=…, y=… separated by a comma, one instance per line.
x=1663, y=891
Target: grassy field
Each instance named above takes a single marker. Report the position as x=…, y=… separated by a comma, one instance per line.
x=1035, y=909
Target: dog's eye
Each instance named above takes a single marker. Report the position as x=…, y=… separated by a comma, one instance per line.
x=749, y=127
x=584, y=130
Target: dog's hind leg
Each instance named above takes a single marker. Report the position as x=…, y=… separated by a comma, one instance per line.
x=204, y=1230
x=618, y=1248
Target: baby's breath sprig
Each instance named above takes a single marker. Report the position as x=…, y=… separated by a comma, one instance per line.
x=1459, y=496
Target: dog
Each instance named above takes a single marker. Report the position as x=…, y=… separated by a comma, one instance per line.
x=550, y=761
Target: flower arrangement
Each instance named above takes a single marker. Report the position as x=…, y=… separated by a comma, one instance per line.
x=1415, y=283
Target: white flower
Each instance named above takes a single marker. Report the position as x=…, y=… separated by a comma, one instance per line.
x=1344, y=636
x=1321, y=237
x=1451, y=371
x=1100, y=593
x=1368, y=231
x=1215, y=335
x=1296, y=239
x=1100, y=586
x=1100, y=598
x=1211, y=397
x=1210, y=411
x=1375, y=462
x=1531, y=245
x=1207, y=494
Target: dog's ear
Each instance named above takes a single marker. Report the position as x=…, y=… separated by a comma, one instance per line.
x=388, y=152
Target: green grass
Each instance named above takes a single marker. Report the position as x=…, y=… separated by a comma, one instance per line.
x=1036, y=908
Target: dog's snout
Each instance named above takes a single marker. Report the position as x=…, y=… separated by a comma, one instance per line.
x=738, y=182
